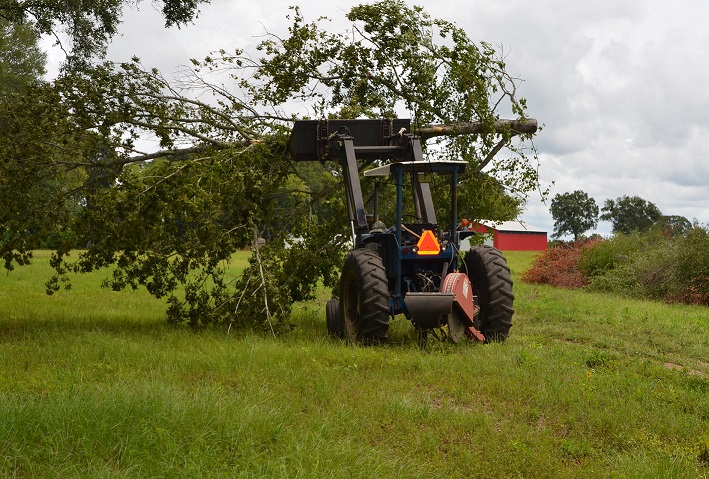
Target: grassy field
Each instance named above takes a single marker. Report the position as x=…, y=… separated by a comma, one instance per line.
x=94, y=383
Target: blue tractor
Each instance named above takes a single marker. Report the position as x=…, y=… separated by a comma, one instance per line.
x=412, y=267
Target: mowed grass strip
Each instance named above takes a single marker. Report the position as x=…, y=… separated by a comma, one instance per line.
x=94, y=383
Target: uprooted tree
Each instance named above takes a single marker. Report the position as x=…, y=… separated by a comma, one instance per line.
x=169, y=219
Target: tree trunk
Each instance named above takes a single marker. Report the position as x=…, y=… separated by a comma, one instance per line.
x=517, y=127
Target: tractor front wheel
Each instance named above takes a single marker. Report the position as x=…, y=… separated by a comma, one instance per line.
x=492, y=284
x=364, y=297
x=333, y=315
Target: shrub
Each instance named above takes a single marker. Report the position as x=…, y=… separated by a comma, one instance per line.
x=558, y=266
x=655, y=269
x=639, y=265
x=693, y=266
x=651, y=265
x=603, y=256
x=697, y=292
x=648, y=265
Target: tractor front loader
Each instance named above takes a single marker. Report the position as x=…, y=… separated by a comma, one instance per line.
x=415, y=267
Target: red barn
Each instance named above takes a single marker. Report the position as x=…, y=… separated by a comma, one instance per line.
x=512, y=235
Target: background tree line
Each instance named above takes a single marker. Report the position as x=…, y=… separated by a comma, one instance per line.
x=576, y=213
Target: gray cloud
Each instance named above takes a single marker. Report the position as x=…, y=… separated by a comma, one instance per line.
x=621, y=87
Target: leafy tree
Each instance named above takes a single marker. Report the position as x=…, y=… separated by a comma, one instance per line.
x=397, y=57
x=573, y=213
x=22, y=62
x=36, y=137
x=90, y=24
x=630, y=213
x=674, y=225
x=168, y=219
x=45, y=146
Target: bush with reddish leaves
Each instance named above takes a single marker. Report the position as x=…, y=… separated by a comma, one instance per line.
x=698, y=291
x=558, y=266
x=648, y=265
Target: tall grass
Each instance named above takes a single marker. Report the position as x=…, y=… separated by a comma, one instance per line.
x=94, y=383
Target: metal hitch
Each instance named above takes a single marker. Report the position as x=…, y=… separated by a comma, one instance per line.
x=429, y=310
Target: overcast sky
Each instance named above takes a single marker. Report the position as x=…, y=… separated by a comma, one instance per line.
x=621, y=87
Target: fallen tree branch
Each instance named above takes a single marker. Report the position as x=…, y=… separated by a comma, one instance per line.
x=263, y=281
x=491, y=154
x=516, y=127
x=183, y=153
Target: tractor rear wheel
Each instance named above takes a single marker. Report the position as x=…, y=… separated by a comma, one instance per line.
x=364, y=297
x=492, y=284
x=333, y=315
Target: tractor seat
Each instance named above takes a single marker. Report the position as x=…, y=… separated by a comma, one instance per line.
x=418, y=228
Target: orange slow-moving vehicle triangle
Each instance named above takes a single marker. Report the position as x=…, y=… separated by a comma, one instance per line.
x=428, y=244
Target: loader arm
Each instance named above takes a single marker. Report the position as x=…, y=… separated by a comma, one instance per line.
x=350, y=141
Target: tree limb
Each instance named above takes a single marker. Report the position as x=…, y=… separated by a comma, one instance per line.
x=516, y=127
x=175, y=153
x=491, y=154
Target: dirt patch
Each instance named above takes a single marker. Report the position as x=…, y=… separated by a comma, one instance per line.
x=691, y=372
x=668, y=365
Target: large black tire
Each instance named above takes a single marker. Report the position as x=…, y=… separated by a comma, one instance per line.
x=492, y=284
x=364, y=297
x=335, y=322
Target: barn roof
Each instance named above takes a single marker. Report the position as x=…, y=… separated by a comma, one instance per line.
x=511, y=226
